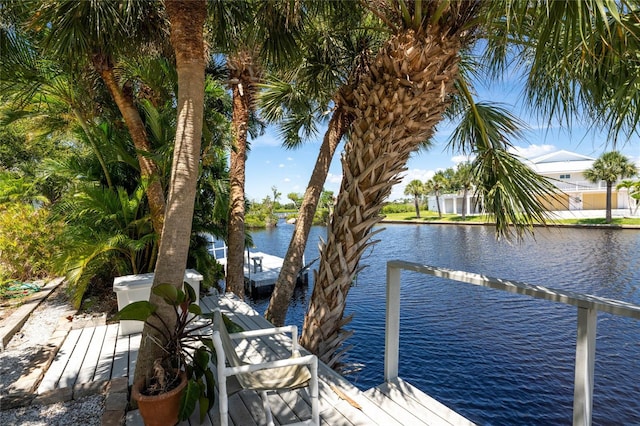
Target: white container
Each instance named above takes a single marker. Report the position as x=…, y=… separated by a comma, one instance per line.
x=133, y=288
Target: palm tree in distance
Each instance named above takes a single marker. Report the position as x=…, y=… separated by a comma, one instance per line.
x=610, y=167
x=464, y=181
x=417, y=189
x=436, y=185
x=633, y=193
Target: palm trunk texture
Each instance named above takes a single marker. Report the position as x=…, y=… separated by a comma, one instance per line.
x=279, y=303
x=397, y=106
x=187, y=22
x=148, y=167
x=244, y=75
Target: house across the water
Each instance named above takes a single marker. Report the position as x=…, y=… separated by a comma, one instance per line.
x=566, y=171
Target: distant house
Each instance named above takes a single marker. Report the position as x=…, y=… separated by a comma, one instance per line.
x=565, y=170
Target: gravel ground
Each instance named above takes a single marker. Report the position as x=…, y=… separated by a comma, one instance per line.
x=16, y=359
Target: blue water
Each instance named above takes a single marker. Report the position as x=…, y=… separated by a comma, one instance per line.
x=496, y=358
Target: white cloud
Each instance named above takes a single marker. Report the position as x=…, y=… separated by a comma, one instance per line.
x=289, y=158
x=533, y=151
x=281, y=165
x=335, y=179
x=397, y=192
x=457, y=159
x=287, y=180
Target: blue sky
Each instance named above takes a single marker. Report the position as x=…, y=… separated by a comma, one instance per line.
x=271, y=165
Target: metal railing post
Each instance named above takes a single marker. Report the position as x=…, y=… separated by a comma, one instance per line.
x=392, y=324
x=585, y=365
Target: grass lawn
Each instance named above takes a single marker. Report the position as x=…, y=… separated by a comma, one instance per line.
x=429, y=216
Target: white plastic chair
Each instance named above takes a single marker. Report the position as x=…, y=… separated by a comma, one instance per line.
x=284, y=374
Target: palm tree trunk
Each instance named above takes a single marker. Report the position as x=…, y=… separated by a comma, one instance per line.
x=608, y=206
x=187, y=22
x=235, y=256
x=416, y=203
x=148, y=167
x=438, y=204
x=244, y=75
x=397, y=105
x=279, y=303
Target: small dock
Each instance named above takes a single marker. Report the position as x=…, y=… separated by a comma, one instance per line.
x=98, y=359
x=261, y=271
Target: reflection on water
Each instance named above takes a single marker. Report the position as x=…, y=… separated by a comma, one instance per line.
x=497, y=358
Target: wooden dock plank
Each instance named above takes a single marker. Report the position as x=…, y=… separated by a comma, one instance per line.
x=396, y=403
x=398, y=412
x=105, y=360
x=52, y=376
x=72, y=369
x=400, y=390
x=90, y=362
x=134, y=348
x=120, y=367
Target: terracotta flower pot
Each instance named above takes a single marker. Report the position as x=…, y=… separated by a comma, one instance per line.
x=159, y=410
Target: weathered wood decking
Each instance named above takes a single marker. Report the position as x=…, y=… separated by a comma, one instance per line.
x=96, y=354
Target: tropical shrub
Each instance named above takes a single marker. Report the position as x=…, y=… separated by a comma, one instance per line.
x=27, y=242
x=108, y=233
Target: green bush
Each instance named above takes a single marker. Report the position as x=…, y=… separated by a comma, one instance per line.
x=26, y=242
x=398, y=208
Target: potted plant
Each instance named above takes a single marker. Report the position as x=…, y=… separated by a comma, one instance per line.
x=182, y=376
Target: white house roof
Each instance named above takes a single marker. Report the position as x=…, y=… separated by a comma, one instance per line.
x=561, y=162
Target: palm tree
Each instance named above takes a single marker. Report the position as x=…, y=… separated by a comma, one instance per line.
x=417, y=189
x=464, y=181
x=97, y=32
x=252, y=35
x=436, y=185
x=335, y=57
x=405, y=93
x=610, y=167
x=633, y=193
x=187, y=18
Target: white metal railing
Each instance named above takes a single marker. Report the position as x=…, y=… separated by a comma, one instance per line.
x=588, y=307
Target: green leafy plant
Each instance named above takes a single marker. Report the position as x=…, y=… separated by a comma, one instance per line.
x=26, y=239
x=186, y=347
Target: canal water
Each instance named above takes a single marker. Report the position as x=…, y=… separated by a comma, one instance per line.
x=496, y=358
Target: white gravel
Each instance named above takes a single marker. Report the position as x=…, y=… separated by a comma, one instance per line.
x=16, y=359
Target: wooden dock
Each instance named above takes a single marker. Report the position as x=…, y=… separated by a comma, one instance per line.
x=261, y=271
x=99, y=354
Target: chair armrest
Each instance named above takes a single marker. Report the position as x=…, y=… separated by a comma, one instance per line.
x=247, y=368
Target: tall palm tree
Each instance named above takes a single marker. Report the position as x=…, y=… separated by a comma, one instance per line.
x=252, y=35
x=417, y=189
x=187, y=18
x=334, y=58
x=610, y=167
x=404, y=95
x=96, y=33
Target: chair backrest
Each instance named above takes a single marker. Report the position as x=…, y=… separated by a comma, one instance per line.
x=286, y=377
x=229, y=348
